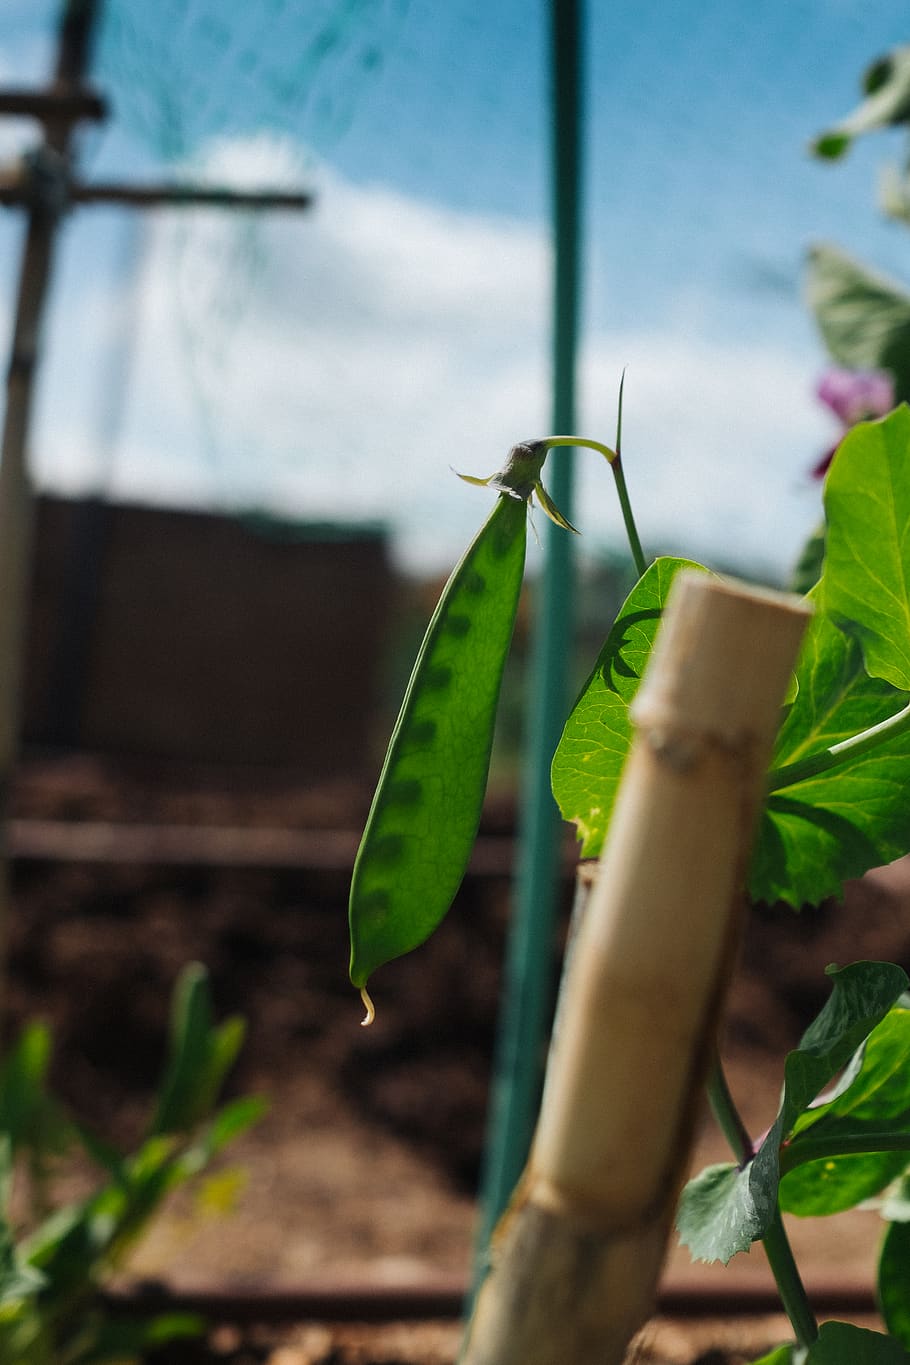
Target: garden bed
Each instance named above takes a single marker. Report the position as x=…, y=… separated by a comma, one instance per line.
x=365, y=1168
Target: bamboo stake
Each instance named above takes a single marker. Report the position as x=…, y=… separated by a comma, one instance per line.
x=577, y=1256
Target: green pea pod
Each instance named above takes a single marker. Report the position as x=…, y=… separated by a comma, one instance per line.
x=426, y=809
x=424, y=817
x=425, y=813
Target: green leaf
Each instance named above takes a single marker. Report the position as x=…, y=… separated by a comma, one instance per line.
x=817, y=833
x=782, y=1355
x=234, y=1119
x=866, y=583
x=808, y=568
x=551, y=510
x=720, y=1213
x=29, y=1117
x=225, y=1043
x=864, y=318
x=228, y=1124
x=107, y=1157
x=18, y=1280
x=200, y=1055
x=22, y=1081
x=872, y=1109
x=25, y=1335
x=726, y=1208
x=190, y=1041
x=597, y=735
x=117, y=1340
x=887, y=87
x=894, y=1281
x=65, y=1249
x=841, y=1343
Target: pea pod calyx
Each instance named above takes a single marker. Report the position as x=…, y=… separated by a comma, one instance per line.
x=520, y=478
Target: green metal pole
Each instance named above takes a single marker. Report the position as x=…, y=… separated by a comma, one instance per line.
x=528, y=985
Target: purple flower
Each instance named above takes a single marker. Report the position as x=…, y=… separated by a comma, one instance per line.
x=853, y=396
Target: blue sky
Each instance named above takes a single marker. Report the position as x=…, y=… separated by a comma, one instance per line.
x=339, y=365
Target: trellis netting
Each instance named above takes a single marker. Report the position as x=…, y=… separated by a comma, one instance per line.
x=339, y=363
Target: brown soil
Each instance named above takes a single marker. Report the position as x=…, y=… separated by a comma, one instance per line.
x=366, y=1165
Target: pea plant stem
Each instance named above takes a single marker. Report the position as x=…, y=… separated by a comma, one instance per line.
x=726, y=1113
x=776, y=1243
x=854, y=747
x=613, y=459
x=638, y=554
x=850, y=1144
x=789, y=1285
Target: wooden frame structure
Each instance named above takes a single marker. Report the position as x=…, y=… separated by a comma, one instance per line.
x=45, y=185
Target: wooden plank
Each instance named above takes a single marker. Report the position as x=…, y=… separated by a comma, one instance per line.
x=165, y=195
x=332, y=850
x=61, y=105
x=740, y=1295
x=15, y=191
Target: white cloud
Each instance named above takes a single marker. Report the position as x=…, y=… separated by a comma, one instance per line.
x=717, y=442
x=337, y=364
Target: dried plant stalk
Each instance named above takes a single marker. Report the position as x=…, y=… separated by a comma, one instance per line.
x=577, y=1256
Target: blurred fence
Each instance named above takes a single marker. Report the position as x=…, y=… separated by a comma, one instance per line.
x=183, y=635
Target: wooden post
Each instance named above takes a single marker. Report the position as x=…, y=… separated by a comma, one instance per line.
x=577, y=1256
x=15, y=485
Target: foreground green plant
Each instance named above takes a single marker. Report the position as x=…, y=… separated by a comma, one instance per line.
x=835, y=807
x=52, y=1270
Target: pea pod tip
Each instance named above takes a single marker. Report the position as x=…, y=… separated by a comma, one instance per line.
x=368, y=1006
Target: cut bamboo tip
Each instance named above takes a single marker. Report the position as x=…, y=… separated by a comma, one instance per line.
x=644, y=984
x=721, y=661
